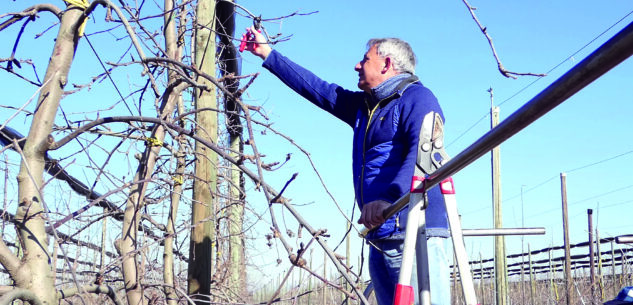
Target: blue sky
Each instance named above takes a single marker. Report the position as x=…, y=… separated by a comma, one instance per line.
x=456, y=63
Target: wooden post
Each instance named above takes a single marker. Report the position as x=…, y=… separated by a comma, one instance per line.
x=481, y=280
x=492, y=284
x=532, y=280
x=360, y=271
x=592, y=267
x=523, y=253
x=568, y=278
x=310, y=277
x=501, y=280
x=202, y=246
x=348, y=261
x=324, y=277
x=613, y=277
x=522, y=273
x=622, y=268
x=103, y=245
x=600, y=277
x=292, y=283
x=551, y=276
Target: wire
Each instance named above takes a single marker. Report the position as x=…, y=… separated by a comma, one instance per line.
x=467, y=130
x=544, y=182
x=602, y=194
x=601, y=161
x=569, y=171
x=581, y=201
x=615, y=204
x=602, y=207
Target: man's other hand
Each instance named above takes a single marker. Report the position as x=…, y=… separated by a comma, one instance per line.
x=371, y=215
x=258, y=46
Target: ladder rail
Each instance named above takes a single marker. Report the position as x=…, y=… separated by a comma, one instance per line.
x=461, y=256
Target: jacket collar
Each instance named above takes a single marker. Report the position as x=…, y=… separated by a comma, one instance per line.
x=394, y=85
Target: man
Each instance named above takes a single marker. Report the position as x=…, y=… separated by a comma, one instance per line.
x=386, y=117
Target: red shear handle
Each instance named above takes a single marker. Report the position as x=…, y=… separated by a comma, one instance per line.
x=246, y=39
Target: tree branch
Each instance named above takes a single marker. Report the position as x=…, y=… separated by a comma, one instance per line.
x=31, y=12
x=502, y=69
x=20, y=294
x=8, y=259
x=98, y=289
x=131, y=33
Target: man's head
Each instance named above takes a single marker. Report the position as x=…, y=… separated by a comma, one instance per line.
x=385, y=58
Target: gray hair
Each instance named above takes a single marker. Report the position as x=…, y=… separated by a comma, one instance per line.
x=398, y=50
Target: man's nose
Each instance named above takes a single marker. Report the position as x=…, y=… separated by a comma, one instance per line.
x=357, y=67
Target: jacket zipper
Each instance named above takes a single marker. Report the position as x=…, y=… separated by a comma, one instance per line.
x=362, y=170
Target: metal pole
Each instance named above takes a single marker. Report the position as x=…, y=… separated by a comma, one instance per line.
x=607, y=56
x=459, y=248
x=455, y=291
x=422, y=258
x=568, y=278
x=592, y=266
x=624, y=239
x=503, y=231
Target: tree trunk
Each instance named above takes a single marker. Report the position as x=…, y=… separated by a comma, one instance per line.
x=37, y=274
x=205, y=183
x=174, y=53
x=168, y=255
x=127, y=246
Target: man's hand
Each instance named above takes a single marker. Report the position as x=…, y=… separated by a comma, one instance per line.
x=257, y=43
x=371, y=215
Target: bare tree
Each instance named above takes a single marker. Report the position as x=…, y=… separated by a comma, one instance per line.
x=33, y=272
x=157, y=157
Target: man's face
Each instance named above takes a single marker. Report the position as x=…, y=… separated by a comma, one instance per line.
x=370, y=70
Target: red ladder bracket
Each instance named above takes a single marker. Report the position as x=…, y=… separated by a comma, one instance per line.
x=447, y=186
x=404, y=295
x=418, y=184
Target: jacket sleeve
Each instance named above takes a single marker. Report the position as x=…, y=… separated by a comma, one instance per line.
x=332, y=98
x=410, y=121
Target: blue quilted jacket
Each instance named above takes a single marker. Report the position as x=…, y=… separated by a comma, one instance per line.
x=386, y=132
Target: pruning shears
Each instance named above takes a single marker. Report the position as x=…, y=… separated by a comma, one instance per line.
x=250, y=37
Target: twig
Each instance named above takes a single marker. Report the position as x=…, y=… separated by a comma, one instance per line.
x=30, y=12
x=130, y=32
x=504, y=72
x=105, y=289
x=277, y=199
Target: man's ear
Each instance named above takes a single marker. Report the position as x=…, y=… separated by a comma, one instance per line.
x=387, y=66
